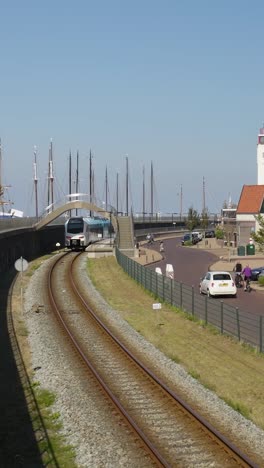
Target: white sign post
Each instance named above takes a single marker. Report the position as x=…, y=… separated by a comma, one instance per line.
x=21, y=265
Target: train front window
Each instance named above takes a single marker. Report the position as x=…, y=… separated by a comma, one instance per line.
x=75, y=226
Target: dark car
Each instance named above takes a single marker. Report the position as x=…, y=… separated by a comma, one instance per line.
x=189, y=238
x=210, y=233
x=256, y=272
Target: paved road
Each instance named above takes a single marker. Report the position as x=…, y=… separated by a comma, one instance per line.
x=190, y=265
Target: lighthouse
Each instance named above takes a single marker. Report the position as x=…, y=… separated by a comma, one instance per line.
x=260, y=156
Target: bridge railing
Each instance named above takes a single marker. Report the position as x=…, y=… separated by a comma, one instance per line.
x=82, y=197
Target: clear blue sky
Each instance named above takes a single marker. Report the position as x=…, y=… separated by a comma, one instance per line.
x=177, y=83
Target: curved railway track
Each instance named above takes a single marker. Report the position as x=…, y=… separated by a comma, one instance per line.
x=172, y=433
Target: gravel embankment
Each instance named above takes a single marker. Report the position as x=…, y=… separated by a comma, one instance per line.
x=86, y=426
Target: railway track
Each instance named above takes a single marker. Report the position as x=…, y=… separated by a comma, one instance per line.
x=170, y=432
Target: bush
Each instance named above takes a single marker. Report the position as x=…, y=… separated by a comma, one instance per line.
x=219, y=233
x=261, y=280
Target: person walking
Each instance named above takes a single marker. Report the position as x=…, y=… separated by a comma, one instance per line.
x=238, y=276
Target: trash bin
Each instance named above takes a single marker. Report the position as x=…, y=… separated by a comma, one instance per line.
x=250, y=249
x=241, y=250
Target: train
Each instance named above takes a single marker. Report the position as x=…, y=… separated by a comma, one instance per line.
x=83, y=231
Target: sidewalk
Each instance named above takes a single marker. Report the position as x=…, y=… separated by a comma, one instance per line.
x=227, y=256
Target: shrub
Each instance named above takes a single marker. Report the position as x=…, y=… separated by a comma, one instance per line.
x=261, y=280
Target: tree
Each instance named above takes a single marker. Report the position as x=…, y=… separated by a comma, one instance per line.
x=204, y=218
x=193, y=219
x=258, y=236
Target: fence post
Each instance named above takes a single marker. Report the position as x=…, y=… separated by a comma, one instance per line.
x=222, y=317
x=163, y=287
x=238, y=323
x=171, y=291
x=206, y=310
x=192, y=300
x=156, y=285
x=260, y=334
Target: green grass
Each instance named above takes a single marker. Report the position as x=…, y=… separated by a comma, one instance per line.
x=56, y=442
x=239, y=407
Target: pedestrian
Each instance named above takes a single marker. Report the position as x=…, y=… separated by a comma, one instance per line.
x=161, y=246
x=238, y=267
x=247, y=272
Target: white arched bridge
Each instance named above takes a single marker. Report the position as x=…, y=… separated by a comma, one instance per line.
x=77, y=201
x=122, y=225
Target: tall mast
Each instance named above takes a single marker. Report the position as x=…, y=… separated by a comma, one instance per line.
x=90, y=179
x=70, y=176
x=1, y=186
x=203, y=195
x=106, y=189
x=77, y=177
x=127, y=185
x=151, y=189
x=117, y=190
x=70, y=173
x=50, y=176
x=181, y=204
x=143, y=207
x=35, y=180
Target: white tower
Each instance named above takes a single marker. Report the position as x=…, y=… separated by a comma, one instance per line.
x=260, y=156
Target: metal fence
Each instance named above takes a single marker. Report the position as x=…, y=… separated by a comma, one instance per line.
x=229, y=320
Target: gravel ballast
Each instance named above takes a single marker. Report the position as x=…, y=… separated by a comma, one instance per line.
x=83, y=424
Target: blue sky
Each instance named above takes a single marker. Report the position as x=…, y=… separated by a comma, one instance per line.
x=176, y=83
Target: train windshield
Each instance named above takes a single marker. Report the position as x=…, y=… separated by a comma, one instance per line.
x=75, y=225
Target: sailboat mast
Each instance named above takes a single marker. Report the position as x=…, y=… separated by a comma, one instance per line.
x=117, y=192
x=127, y=185
x=203, y=195
x=35, y=180
x=181, y=205
x=51, y=174
x=77, y=177
x=70, y=176
x=143, y=207
x=90, y=179
x=106, y=189
x=151, y=188
x=1, y=187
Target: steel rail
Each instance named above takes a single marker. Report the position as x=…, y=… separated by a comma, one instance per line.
x=224, y=443
x=230, y=447
x=153, y=451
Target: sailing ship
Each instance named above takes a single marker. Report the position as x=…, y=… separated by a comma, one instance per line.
x=6, y=210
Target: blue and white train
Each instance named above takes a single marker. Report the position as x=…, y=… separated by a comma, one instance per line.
x=81, y=231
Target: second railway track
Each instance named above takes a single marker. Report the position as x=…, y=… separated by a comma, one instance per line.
x=172, y=433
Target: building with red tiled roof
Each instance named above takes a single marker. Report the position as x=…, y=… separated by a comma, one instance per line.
x=251, y=204
x=251, y=200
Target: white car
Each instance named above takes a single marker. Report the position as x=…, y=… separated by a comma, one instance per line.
x=218, y=283
x=198, y=234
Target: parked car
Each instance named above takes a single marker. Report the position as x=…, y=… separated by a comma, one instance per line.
x=189, y=238
x=210, y=233
x=256, y=272
x=198, y=234
x=218, y=283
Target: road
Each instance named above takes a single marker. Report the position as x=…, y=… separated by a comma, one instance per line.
x=190, y=265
